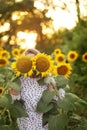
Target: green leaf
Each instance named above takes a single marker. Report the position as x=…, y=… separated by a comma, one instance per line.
x=2, y=76
x=61, y=81
x=2, y=70
x=5, y=100
x=45, y=118
x=66, y=104
x=2, y=80
x=41, y=81
x=76, y=100
x=47, y=96
x=80, y=128
x=43, y=107
x=45, y=103
x=9, y=128
x=17, y=109
x=14, y=85
x=57, y=122
x=17, y=81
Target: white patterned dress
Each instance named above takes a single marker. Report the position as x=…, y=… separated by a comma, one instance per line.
x=31, y=93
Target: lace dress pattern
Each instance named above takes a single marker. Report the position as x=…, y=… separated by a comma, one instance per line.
x=31, y=93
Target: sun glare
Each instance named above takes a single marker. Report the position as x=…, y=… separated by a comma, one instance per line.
x=5, y=27
x=39, y=5
x=26, y=39
x=61, y=19
x=18, y=0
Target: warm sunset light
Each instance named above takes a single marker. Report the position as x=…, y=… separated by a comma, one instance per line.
x=18, y=0
x=26, y=39
x=4, y=27
x=62, y=18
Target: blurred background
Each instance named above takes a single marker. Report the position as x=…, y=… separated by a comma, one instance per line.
x=44, y=25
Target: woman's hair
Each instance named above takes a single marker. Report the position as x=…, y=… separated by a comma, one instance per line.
x=31, y=51
x=34, y=52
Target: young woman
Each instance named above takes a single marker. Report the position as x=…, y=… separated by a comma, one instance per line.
x=31, y=93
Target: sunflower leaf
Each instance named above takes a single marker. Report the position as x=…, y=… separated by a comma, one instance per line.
x=57, y=122
x=41, y=81
x=48, y=96
x=14, y=85
x=42, y=107
x=61, y=81
x=5, y=101
x=17, y=109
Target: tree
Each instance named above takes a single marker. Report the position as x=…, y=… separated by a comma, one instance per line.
x=30, y=20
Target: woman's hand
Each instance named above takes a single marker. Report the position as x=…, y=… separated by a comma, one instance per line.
x=13, y=92
x=50, y=88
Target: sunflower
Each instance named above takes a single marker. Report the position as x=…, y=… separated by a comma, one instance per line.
x=44, y=64
x=23, y=65
x=57, y=51
x=5, y=53
x=1, y=89
x=63, y=69
x=1, y=49
x=60, y=58
x=15, y=52
x=72, y=56
x=84, y=57
x=3, y=61
x=21, y=51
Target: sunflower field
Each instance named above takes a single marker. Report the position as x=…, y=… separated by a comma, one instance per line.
x=64, y=107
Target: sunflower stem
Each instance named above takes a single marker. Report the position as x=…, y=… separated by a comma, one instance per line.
x=4, y=90
x=9, y=117
x=56, y=90
x=13, y=78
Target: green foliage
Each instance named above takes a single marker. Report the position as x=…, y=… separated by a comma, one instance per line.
x=17, y=110
x=44, y=104
x=57, y=122
x=9, y=110
x=61, y=81
x=64, y=113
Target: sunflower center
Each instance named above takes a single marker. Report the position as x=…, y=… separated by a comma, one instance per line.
x=57, y=52
x=0, y=91
x=86, y=57
x=62, y=70
x=4, y=54
x=60, y=59
x=24, y=65
x=72, y=56
x=16, y=52
x=42, y=64
x=2, y=62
